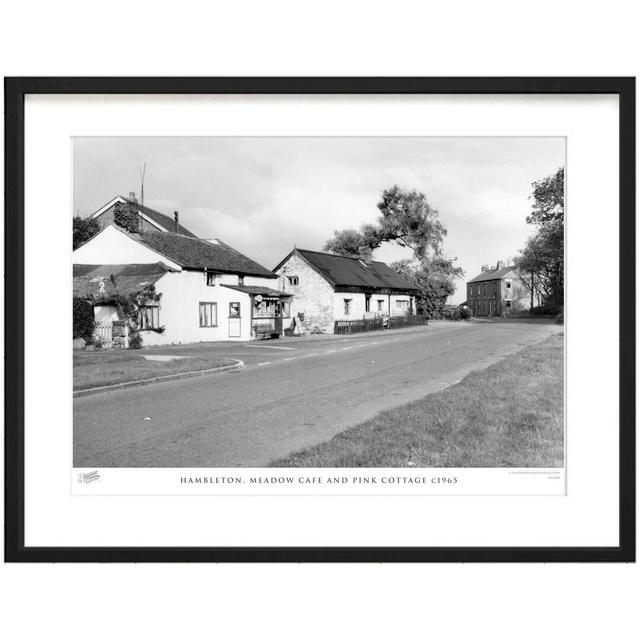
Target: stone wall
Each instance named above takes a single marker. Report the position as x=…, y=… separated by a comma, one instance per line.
x=120, y=334
x=312, y=296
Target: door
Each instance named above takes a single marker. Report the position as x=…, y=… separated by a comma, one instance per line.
x=234, y=320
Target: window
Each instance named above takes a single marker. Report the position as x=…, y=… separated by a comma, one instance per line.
x=508, y=304
x=211, y=279
x=347, y=306
x=293, y=280
x=208, y=314
x=507, y=284
x=478, y=290
x=402, y=304
x=367, y=302
x=241, y=281
x=149, y=317
x=380, y=306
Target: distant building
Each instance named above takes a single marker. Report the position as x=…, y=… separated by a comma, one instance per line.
x=327, y=288
x=497, y=291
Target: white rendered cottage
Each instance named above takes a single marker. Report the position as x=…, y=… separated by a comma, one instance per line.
x=327, y=288
x=208, y=290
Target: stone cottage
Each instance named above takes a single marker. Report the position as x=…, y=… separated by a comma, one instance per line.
x=327, y=288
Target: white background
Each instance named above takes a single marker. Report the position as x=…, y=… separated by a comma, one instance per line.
x=587, y=516
x=489, y=38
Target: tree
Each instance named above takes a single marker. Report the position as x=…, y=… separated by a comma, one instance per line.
x=406, y=219
x=125, y=215
x=434, y=279
x=349, y=243
x=84, y=229
x=542, y=258
x=548, y=200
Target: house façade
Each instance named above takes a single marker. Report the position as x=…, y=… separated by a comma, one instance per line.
x=497, y=291
x=327, y=288
x=206, y=290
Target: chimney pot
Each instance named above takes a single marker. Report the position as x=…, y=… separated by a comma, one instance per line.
x=175, y=219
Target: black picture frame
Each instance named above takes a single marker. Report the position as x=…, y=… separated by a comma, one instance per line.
x=15, y=91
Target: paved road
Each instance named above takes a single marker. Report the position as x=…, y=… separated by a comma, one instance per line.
x=292, y=394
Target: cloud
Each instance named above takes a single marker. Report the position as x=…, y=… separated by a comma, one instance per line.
x=265, y=195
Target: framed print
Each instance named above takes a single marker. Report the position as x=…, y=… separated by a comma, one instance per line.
x=320, y=319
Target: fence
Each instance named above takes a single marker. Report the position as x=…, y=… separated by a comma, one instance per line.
x=358, y=326
x=103, y=333
x=397, y=322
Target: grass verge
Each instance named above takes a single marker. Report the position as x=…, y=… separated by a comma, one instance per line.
x=508, y=415
x=102, y=368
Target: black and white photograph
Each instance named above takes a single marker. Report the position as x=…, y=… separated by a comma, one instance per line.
x=318, y=302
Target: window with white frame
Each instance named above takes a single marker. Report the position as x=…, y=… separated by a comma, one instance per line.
x=293, y=280
x=150, y=317
x=380, y=306
x=211, y=279
x=347, y=306
x=208, y=314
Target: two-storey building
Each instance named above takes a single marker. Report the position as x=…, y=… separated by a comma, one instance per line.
x=497, y=291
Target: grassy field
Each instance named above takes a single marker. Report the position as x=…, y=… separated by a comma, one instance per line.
x=508, y=415
x=101, y=368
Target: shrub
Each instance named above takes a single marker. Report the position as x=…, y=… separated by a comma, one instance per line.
x=465, y=313
x=135, y=341
x=83, y=319
x=548, y=309
x=452, y=313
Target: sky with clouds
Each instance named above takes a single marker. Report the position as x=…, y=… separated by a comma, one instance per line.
x=263, y=196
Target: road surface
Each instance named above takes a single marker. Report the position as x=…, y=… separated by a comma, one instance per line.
x=291, y=394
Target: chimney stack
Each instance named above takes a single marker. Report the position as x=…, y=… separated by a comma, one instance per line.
x=501, y=264
x=132, y=196
x=175, y=219
x=485, y=267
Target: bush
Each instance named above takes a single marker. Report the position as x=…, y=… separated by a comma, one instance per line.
x=548, y=309
x=465, y=313
x=452, y=313
x=135, y=341
x=83, y=319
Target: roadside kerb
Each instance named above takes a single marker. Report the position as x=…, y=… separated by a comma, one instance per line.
x=172, y=376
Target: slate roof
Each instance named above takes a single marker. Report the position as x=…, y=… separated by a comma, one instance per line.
x=493, y=274
x=258, y=291
x=166, y=222
x=351, y=272
x=129, y=278
x=193, y=253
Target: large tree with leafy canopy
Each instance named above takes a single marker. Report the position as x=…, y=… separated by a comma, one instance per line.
x=406, y=219
x=542, y=258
